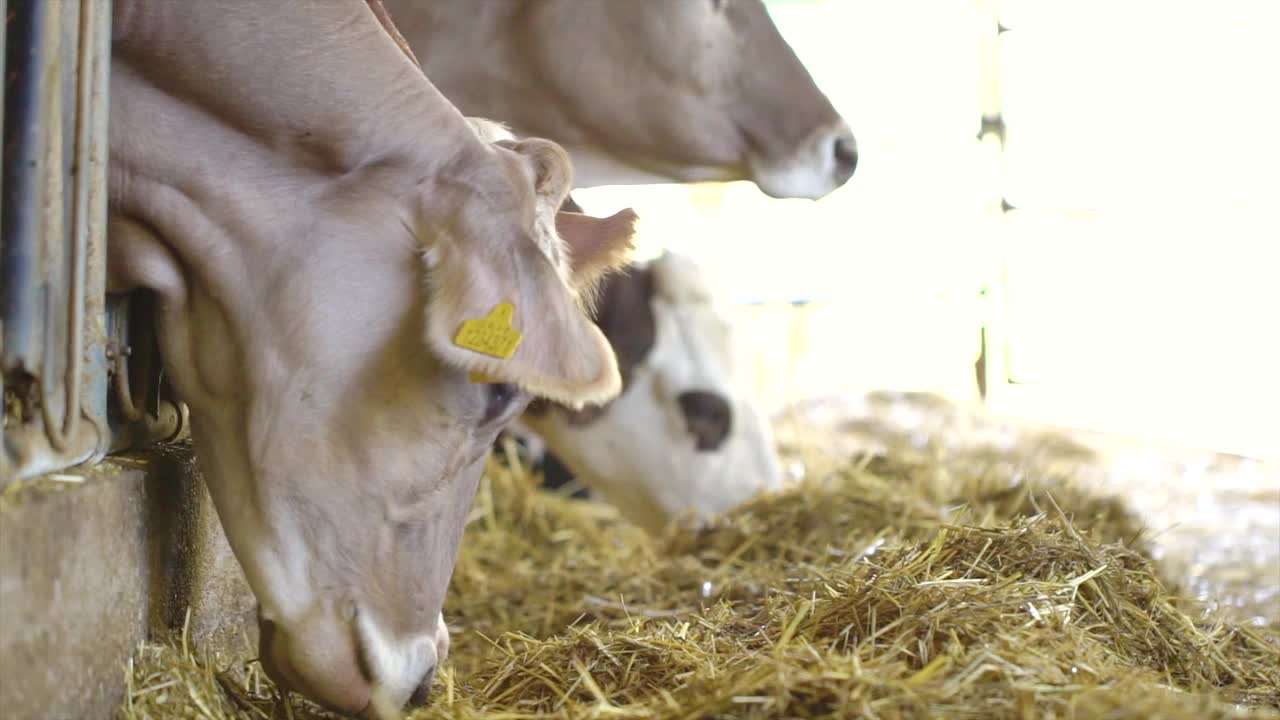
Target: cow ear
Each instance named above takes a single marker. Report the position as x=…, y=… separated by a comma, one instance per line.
x=596, y=246
x=551, y=166
x=505, y=315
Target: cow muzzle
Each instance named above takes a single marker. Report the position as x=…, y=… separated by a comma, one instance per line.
x=329, y=659
x=823, y=162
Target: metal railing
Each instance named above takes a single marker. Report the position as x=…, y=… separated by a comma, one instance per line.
x=63, y=344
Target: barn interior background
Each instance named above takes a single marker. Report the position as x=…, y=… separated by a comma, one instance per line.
x=1102, y=244
x=1083, y=205
x=1129, y=283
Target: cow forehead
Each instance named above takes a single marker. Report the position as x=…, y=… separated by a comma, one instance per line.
x=545, y=235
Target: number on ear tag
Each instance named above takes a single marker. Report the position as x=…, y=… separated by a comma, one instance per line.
x=492, y=335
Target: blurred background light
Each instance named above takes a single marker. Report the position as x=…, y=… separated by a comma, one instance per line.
x=1130, y=287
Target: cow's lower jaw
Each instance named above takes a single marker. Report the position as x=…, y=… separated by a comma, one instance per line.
x=824, y=162
x=593, y=167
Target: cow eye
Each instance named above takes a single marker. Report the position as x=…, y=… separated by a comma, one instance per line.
x=498, y=399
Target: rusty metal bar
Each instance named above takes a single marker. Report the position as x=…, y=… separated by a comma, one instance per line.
x=92, y=169
x=59, y=434
x=84, y=177
x=120, y=385
x=168, y=423
x=150, y=413
x=54, y=245
x=119, y=356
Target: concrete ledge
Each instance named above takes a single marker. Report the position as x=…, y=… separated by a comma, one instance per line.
x=94, y=561
x=73, y=593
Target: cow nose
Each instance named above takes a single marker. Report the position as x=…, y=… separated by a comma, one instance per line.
x=322, y=663
x=846, y=154
x=423, y=692
x=708, y=417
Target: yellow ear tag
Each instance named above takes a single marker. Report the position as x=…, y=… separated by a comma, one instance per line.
x=480, y=378
x=492, y=335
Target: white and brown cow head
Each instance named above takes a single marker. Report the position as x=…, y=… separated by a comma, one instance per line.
x=684, y=441
x=323, y=275
x=641, y=91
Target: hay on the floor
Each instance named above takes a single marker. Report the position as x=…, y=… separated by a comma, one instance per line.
x=872, y=590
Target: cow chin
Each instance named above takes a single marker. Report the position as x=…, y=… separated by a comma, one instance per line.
x=596, y=167
x=822, y=163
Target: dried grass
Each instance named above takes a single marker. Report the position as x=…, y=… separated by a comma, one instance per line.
x=876, y=589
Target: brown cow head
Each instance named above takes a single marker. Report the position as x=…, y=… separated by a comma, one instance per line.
x=330, y=280
x=641, y=91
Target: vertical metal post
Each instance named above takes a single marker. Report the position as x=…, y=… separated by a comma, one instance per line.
x=19, y=221
x=91, y=161
x=4, y=51
x=992, y=365
x=61, y=309
x=52, y=259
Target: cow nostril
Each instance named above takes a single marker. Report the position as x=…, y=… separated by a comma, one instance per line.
x=846, y=154
x=423, y=692
x=708, y=417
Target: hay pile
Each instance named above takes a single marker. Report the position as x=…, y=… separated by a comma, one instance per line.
x=871, y=591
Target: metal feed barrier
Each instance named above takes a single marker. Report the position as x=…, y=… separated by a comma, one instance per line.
x=65, y=345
